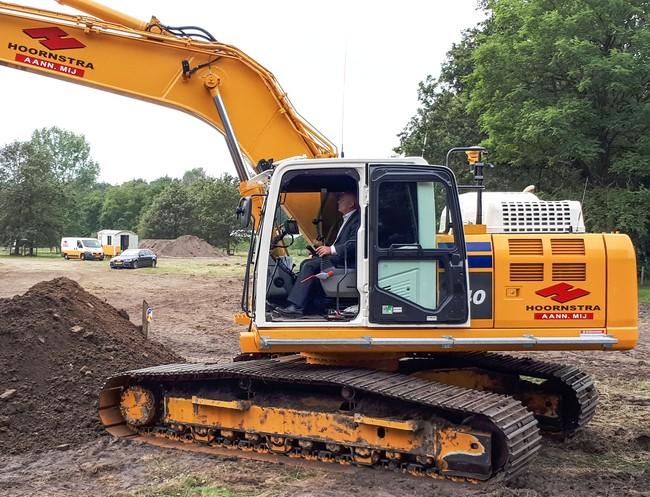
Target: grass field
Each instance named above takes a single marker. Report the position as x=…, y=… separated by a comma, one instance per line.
x=39, y=252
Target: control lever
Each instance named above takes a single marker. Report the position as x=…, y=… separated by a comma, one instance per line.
x=323, y=275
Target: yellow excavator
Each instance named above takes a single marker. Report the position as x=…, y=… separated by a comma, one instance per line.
x=395, y=367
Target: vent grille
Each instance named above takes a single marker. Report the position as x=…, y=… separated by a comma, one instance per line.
x=525, y=246
x=527, y=271
x=568, y=246
x=544, y=217
x=569, y=271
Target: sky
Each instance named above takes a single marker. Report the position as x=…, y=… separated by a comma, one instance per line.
x=350, y=67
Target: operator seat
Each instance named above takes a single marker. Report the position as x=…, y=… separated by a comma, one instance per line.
x=342, y=284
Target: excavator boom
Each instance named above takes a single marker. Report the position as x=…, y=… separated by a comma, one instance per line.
x=147, y=61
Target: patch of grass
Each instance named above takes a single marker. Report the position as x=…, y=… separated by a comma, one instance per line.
x=633, y=462
x=232, y=266
x=194, y=486
x=40, y=252
x=644, y=294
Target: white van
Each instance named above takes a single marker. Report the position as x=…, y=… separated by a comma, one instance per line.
x=84, y=249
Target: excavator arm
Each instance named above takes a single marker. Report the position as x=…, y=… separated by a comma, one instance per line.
x=182, y=68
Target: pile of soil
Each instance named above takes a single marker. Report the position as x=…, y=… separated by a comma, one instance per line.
x=58, y=344
x=183, y=246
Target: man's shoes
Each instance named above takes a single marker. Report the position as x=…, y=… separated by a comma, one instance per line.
x=290, y=311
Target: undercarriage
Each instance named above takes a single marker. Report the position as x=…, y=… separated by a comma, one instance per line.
x=455, y=416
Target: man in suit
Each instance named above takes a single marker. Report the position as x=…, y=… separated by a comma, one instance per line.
x=335, y=255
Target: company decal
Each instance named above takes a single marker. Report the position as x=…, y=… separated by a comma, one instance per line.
x=46, y=64
x=563, y=315
x=562, y=293
x=54, y=39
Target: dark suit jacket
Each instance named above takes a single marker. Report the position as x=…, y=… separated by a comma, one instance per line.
x=346, y=244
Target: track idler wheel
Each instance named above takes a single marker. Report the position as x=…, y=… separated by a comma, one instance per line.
x=138, y=406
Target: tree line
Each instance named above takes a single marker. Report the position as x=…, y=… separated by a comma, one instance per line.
x=559, y=92
x=49, y=189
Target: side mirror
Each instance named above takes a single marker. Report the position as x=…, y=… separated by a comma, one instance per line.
x=291, y=227
x=244, y=210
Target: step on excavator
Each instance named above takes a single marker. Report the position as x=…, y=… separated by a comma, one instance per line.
x=397, y=361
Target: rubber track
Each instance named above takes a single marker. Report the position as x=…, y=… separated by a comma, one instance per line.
x=515, y=423
x=580, y=384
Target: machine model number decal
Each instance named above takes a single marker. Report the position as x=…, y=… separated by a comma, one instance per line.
x=480, y=294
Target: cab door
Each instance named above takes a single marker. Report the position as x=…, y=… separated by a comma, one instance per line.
x=417, y=255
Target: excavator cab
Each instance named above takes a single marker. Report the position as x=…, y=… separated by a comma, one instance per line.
x=403, y=267
x=311, y=196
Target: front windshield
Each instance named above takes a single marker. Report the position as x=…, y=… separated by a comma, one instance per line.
x=91, y=243
x=130, y=252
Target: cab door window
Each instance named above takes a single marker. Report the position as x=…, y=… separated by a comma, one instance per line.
x=418, y=265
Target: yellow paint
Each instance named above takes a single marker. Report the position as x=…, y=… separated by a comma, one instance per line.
x=408, y=425
x=369, y=434
x=72, y=253
x=281, y=422
x=111, y=250
x=241, y=319
x=466, y=378
x=622, y=292
x=474, y=229
x=239, y=405
x=453, y=442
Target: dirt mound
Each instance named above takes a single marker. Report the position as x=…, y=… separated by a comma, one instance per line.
x=183, y=246
x=58, y=344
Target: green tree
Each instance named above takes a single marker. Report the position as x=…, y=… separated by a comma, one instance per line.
x=171, y=214
x=564, y=85
x=216, y=201
x=90, y=209
x=75, y=171
x=43, y=183
x=124, y=204
x=193, y=175
x=31, y=200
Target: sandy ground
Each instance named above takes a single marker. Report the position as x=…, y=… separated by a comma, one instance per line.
x=193, y=303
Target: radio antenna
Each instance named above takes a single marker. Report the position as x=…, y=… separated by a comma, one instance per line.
x=582, y=202
x=345, y=69
x=426, y=134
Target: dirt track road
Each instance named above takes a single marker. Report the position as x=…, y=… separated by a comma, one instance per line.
x=192, y=315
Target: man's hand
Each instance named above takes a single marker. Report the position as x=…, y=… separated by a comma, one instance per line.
x=323, y=250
